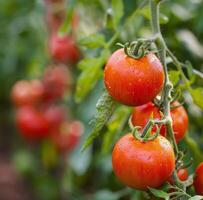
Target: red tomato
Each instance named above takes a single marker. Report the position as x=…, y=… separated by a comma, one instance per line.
x=63, y=48
x=133, y=82
x=182, y=175
x=56, y=81
x=55, y=115
x=143, y=164
x=142, y=114
x=31, y=123
x=27, y=92
x=198, y=179
x=68, y=136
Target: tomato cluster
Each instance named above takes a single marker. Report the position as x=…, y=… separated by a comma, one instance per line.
x=40, y=114
x=136, y=82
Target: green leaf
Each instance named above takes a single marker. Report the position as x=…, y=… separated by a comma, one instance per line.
x=65, y=28
x=105, y=107
x=91, y=73
x=93, y=41
x=117, y=8
x=197, y=95
x=174, y=76
x=145, y=11
x=190, y=72
x=114, y=126
x=159, y=193
x=197, y=197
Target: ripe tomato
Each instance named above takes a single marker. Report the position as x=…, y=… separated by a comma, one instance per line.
x=142, y=114
x=68, y=136
x=55, y=115
x=133, y=82
x=198, y=179
x=27, y=92
x=143, y=164
x=182, y=175
x=63, y=48
x=31, y=123
x=56, y=81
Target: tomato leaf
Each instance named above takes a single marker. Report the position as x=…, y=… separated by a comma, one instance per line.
x=93, y=41
x=159, y=193
x=197, y=95
x=115, y=124
x=117, y=8
x=105, y=107
x=91, y=73
x=197, y=197
x=190, y=72
x=174, y=76
x=65, y=28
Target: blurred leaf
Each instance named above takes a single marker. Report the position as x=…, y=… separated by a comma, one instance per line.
x=91, y=72
x=80, y=162
x=104, y=106
x=145, y=11
x=117, y=8
x=197, y=95
x=197, y=197
x=93, y=41
x=65, y=28
x=190, y=72
x=105, y=194
x=114, y=126
x=159, y=193
x=174, y=76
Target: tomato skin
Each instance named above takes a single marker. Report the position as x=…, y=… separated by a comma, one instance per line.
x=141, y=165
x=198, y=179
x=27, y=92
x=68, y=136
x=56, y=80
x=133, y=82
x=142, y=114
x=31, y=123
x=63, y=48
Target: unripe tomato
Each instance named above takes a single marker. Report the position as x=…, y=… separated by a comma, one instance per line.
x=143, y=164
x=56, y=81
x=142, y=114
x=133, y=82
x=68, y=136
x=55, y=115
x=31, y=123
x=198, y=179
x=63, y=48
x=27, y=92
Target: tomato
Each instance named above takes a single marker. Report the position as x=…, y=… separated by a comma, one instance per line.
x=142, y=114
x=133, y=82
x=63, y=48
x=55, y=115
x=56, y=81
x=27, y=92
x=31, y=123
x=182, y=174
x=143, y=164
x=68, y=136
x=198, y=179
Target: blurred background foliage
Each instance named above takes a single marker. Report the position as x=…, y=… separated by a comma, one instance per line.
x=23, y=55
